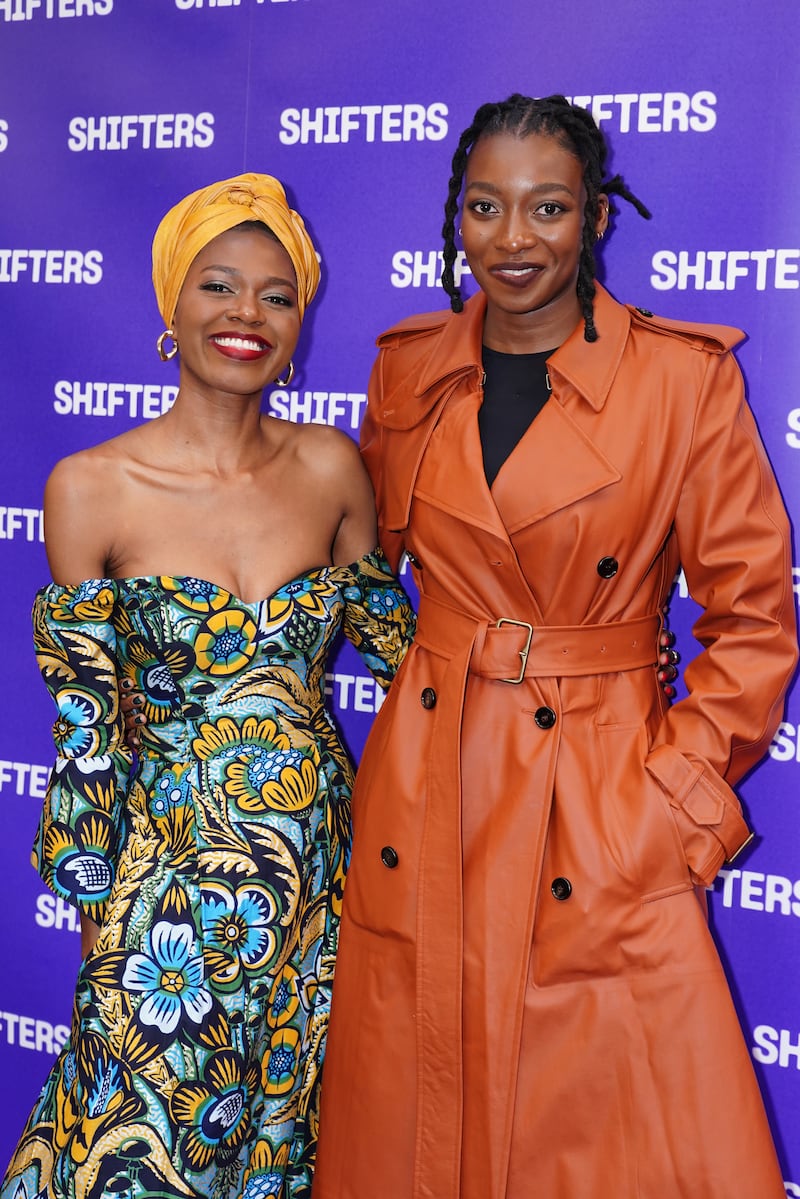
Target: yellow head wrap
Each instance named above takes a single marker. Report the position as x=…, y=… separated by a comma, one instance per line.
x=212, y=210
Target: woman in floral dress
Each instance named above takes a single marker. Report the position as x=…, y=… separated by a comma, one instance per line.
x=208, y=868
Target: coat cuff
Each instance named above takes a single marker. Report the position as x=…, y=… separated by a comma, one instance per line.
x=707, y=813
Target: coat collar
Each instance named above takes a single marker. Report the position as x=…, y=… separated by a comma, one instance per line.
x=439, y=357
x=457, y=348
x=589, y=367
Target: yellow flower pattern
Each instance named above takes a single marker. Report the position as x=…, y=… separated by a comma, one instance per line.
x=213, y=862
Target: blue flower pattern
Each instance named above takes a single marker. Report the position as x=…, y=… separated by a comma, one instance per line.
x=214, y=863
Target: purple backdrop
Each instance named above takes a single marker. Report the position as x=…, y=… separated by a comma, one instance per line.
x=111, y=110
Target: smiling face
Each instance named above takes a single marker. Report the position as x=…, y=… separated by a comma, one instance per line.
x=522, y=229
x=237, y=320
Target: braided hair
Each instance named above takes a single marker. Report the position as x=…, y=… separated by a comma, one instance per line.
x=574, y=128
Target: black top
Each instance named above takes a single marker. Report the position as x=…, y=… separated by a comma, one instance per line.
x=515, y=390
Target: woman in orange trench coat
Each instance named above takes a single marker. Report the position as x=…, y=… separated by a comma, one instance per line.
x=528, y=1002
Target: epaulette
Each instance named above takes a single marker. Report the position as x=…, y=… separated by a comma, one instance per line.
x=717, y=339
x=414, y=326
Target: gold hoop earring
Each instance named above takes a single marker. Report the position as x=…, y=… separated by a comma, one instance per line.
x=290, y=375
x=166, y=355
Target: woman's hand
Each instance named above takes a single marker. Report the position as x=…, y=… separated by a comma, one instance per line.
x=131, y=702
x=668, y=660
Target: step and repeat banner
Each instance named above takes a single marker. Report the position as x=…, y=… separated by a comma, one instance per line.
x=111, y=110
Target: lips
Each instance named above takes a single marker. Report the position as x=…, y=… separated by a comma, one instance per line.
x=516, y=274
x=242, y=347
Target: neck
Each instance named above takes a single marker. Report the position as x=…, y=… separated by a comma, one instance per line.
x=530, y=332
x=217, y=432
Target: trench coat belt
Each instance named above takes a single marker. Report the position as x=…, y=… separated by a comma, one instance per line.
x=509, y=649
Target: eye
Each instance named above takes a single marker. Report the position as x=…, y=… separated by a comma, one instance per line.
x=482, y=207
x=215, y=286
x=279, y=300
x=550, y=208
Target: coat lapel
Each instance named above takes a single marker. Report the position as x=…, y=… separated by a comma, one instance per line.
x=452, y=477
x=438, y=455
x=556, y=463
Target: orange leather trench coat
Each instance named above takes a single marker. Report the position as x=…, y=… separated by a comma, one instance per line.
x=527, y=1000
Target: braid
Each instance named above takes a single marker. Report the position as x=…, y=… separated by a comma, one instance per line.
x=483, y=117
x=577, y=132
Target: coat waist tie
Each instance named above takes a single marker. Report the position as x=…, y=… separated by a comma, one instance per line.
x=509, y=649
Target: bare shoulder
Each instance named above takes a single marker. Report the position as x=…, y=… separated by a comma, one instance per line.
x=91, y=476
x=326, y=451
x=330, y=464
x=81, y=508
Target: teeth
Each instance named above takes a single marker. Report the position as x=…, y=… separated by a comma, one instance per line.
x=238, y=343
x=517, y=271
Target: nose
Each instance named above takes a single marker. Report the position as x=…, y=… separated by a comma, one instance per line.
x=515, y=233
x=244, y=306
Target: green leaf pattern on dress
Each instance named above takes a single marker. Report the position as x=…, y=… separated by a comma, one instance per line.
x=214, y=862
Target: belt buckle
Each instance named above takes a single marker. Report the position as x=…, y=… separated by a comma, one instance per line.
x=523, y=653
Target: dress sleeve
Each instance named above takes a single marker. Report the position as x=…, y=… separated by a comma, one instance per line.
x=734, y=543
x=81, y=825
x=379, y=619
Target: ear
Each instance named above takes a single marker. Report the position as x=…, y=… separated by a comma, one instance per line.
x=601, y=223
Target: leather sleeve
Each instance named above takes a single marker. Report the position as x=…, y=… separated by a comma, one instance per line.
x=734, y=542
x=372, y=438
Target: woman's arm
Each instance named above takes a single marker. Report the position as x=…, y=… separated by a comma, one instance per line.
x=75, y=643
x=734, y=543
x=89, y=934
x=357, y=533
x=78, y=503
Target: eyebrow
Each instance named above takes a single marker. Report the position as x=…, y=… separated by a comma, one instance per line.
x=272, y=281
x=538, y=188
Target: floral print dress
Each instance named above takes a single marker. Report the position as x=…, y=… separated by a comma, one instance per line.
x=214, y=862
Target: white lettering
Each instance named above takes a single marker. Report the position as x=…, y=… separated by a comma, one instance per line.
x=785, y=745
x=383, y=122
x=50, y=266
x=765, y=1050
x=27, y=10
x=755, y=892
x=145, y=131
x=30, y=1033
x=318, y=407
x=420, y=268
x=725, y=270
x=186, y=4
x=29, y=522
x=653, y=112
x=357, y=692
x=27, y=778
x=53, y=912
x=73, y=398
x=793, y=421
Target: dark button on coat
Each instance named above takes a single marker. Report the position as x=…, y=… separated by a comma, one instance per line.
x=485, y=1041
